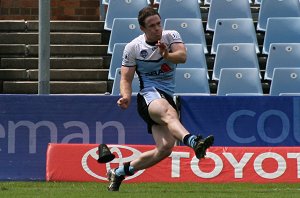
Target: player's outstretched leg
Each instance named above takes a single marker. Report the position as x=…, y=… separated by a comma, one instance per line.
x=202, y=144
x=114, y=180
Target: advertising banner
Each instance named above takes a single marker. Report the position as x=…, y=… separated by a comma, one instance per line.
x=78, y=162
x=29, y=122
x=244, y=120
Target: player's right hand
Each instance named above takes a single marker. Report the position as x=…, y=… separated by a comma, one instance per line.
x=162, y=49
x=123, y=103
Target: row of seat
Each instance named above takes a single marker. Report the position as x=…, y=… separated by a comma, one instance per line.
x=242, y=55
x=233, y=82
x=195, y=58
x=241, y=9
x=239, y=55
x=218, y=9
x=206, y=2
x=245, y=81
x=233, y=33
x=238, y=30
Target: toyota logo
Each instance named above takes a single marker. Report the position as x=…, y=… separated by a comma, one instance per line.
x=123, y=154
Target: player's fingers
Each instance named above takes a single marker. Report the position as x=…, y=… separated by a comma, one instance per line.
x=120, y=101
x=123, y=100
x=159, y=44
x=123, y=103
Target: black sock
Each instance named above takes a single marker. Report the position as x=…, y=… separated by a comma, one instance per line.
x=129, y=170
x=186, y=139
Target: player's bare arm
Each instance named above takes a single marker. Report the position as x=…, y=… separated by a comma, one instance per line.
x=177, y=54
x=127, y=75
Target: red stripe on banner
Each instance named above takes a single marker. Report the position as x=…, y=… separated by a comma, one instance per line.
x=78, y=162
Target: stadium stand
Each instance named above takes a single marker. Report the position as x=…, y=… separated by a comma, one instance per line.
x=221, y=9
x=80, y=62
x=106, y=2
x=191, y=81
x=130, y=29
x=207, y=2
x=122, y=9
x=195, y=57
x=234, y=55
x=239, y=81
x=282, y=55
x=281, y=30
x=179, y=9
x=283, y=8
x=237, y=30
x=158, y=1
x=116, y=59
x=116, y=84
x=190, y=29
x=285, y=82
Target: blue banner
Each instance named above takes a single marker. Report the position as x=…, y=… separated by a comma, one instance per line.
x=244, y=121
x=29, y=122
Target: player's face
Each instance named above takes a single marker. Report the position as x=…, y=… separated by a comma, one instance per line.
x=152, y=29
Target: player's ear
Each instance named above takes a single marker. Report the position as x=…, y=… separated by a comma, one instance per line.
x=142, y=28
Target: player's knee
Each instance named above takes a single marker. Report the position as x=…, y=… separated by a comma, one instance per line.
x=166, y=150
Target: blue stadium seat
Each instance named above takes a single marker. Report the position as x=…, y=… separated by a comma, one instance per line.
x=116, y=84
x=282, y=55
x=239, y=30
x=281, y=30
x=234, y=55
x=221, y=9
x=116, y=59
x=239, y=81
x=190, y=29
x=106, y=2
x=179, y=9
x=195, y=57
x=285, y=81
x=207, y=2
x=257, y=1
x=122, y=9
x=191, y=81
x=277, y=8
x=158, y=1
x=124, y=30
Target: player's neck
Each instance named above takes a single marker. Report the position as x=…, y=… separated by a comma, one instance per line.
x=152, y=43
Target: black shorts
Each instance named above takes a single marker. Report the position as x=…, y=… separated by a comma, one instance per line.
x=143, y=108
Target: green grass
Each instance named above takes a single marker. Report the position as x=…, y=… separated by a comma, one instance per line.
x=145, y=190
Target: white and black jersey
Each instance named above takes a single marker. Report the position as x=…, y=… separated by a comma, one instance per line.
x=153, y=70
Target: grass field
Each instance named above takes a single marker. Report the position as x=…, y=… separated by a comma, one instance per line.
x=157, y=190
